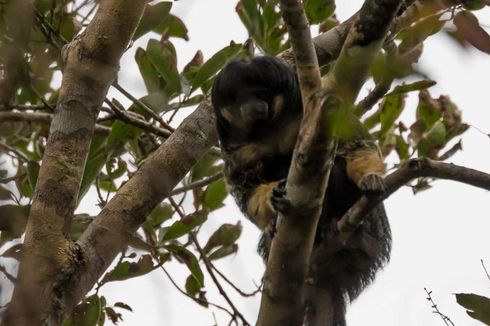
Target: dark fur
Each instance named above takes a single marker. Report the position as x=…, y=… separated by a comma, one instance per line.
x=258, y=111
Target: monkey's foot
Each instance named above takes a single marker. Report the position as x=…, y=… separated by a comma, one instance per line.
x=278, y=198
x=372, y=184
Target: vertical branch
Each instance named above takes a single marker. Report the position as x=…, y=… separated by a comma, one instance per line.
x=49, y=258
x=284, y=281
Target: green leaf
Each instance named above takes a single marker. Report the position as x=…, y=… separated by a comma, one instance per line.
x=416, y=86
x=157, y=102
x=319, y=10
x=117, y=172
x=122, y=305
x=214, y=194
x=114, y=316
x=153, y=16
x=173, y=26
x=160, y=214
x=214, y=64
x=223, y=251
x=391, y=108
x=120, y=134
x=205, y=167
x=418, y=32
x=192, y=286
x=402, y=148
x=428, y=110
x=126, y=270
x=86, y=313
x=147, y=71
x=185, y=225
x=226, y=235
x=163, y=57
x=189, y=260
x=432, y=141
x=478, y=307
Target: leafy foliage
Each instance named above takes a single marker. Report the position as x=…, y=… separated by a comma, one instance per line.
x=128, y=133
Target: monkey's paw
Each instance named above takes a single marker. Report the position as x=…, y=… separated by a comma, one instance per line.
x=278, y=198
x=372, y=184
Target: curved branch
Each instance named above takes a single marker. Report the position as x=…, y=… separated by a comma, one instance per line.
x=415, y=168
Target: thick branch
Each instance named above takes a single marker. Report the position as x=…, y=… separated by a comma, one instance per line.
x=362, y=44
x=92, y=62
x=410, y=170
x=110, y=231
x=303, y=49
x=287, y=266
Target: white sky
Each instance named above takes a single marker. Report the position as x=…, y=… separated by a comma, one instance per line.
x=439, y=236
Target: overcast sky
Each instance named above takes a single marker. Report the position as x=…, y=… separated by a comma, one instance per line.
x=439, y=236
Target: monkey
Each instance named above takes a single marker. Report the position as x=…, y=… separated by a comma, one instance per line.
x=258, y=108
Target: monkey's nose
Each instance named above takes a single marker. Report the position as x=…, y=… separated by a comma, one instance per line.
x=255, y=110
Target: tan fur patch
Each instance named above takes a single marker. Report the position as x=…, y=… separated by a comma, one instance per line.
x=363, y=162
x=259, y=207
x=225, y=112
x=277, y=105
x=249, y=153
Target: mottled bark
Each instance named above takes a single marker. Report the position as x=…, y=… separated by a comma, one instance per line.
x=50, y=260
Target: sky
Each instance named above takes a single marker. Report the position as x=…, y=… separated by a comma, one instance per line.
x=439, y=235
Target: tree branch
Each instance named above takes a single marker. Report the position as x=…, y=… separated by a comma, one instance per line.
x=91, y=64
x=415, y=168
x=43, y=118
x=287, y=266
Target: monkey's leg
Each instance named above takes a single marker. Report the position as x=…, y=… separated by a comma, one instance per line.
x=366, y=168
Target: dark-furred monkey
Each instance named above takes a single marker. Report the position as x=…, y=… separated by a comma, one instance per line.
x=258, y=110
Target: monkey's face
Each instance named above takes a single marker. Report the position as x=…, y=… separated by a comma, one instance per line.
x=252, y=108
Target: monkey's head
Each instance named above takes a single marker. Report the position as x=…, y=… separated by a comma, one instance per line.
x=254, y=94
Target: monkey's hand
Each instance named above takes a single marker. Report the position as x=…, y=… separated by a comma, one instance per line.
x=278, y=198
x=372, y=184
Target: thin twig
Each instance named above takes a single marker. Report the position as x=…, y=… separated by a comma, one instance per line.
x=124, y=116
x=9, y=276
x=43, y=118
x=209, y=268
x=243, y=294
x=197, y=300
x=197, y=184
x=27, y=107
x=18, y=154
x=485, y=269
x=143, y=106
x=444, y=318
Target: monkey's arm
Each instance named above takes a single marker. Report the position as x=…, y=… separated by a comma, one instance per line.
x=248, y=185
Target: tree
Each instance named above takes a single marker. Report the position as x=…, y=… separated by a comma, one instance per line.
x=132, y=156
